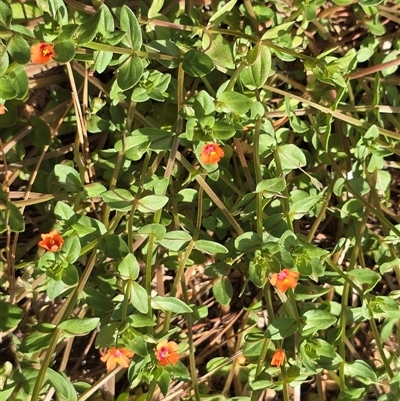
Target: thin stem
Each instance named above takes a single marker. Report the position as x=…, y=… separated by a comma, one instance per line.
x=259, y=367
x=379, y=345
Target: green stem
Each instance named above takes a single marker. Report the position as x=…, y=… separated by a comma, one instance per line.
x=192, y=359
x=257, y=172
x=234, y=77
x=46, y=362
x=184, y=258
x=379, y=344
x=285, y=386
x=136, y=202
x=62, y=315
x=259, y=367
x=285, y=192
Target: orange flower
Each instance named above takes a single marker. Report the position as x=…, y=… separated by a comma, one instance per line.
x=2, y=109
x=278, y=358
x=117, y=355
x=52, y=241
x=166, y=353
x=211, y=153
x=285, y=279
x=42, y=53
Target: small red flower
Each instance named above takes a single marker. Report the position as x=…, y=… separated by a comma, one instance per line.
x=285, y=279
x=116, y=356
x=211, y=153
x=166, y=353
x=42, y=53
x=52, y=241
x=278, y=358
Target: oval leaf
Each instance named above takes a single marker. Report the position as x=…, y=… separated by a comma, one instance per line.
x=170, y=304
x=79, y=326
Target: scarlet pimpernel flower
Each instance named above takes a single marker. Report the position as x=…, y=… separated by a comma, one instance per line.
x=166, y=353
x=284, y=279
x=278, y=357
x=42, y=53
x=52, y=241
x=211, y=153
x=114, y=356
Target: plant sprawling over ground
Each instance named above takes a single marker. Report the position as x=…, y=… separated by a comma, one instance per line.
x=199, y=200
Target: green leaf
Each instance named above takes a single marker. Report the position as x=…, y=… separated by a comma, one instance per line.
x=255, y=76
x=63, y=211
x=223, y=131
x=222, y=290
x=35, y=342
x=71, y=249
x=65, y=51
x=203, y=104
x=163, y=381
x=210, y=247
x=234, y=102
x=303, y=206
x=63, y=386
x=142, y=140
x=130, y=73
x=316, y=320
x=16, y=220
x=19, y=49
x=165, y=46
x=88, y=30
x=136, y=343
x=97, y=300
x=281, y=328
x=361, y=371
x=79, y=326
x=248, y=241
x=68, y=178
x=319, y=352
x=370, y=3
x=115, y=246
x=222, y=13
x=7, y=89
x=70, y=275
x=271, y=187
x=10, y=315
x=118, y=199
x=128, y=268
x=158, y=230
x=219, y=50
x=175, y=240
x=156, y=6
x=365, y=276
x=94, y=189
x=107, y=334
x=55, y=288
x=42, y=132
x=5, y=14
x=139, y=320
x=389, y=266
x=4, y=62
x=102, y=60
x=170, y=304
x=130, y=25
x=197, y=64
x=20, y=80
x=277, y=31
x=291, y=157
x=139, y=298
x=152, y=203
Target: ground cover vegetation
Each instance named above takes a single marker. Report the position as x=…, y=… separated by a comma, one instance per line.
x=200, y=200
